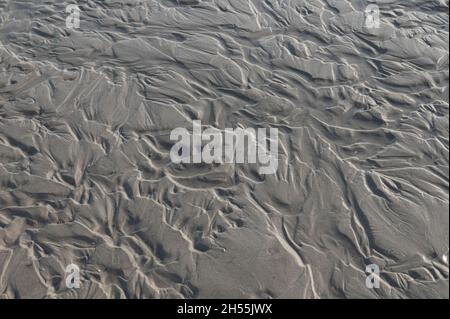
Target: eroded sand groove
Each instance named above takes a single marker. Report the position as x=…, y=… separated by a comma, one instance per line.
x=86, y=177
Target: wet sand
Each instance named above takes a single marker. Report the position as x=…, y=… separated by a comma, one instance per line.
x=86, y=177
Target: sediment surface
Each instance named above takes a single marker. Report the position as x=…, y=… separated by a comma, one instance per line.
x=86, y=177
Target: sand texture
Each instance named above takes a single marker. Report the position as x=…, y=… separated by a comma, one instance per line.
x=86, y=177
